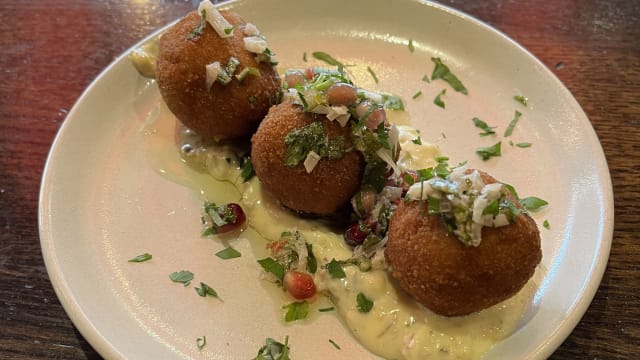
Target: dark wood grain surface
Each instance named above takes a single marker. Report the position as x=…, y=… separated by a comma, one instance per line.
x=51, y=50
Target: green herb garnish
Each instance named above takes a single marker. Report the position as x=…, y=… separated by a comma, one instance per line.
x=521, y=99
x=304, y=56
x=201, y=342
x=141, y=258
x=412, y=48
x=533, y=203
x=426, y=79
x=228, y=253
x=488, y=130
x=323, y=56
x=312, y=263
x=524, y=145
x=392, y=102
x=183, y=277
x=300, y=142
x=335, y=269
x=200, y=28
x=246, y=169
x=416, y=95
x=373, y=75
x=546, y=224
x=417, y=141
x=273, y=350
x=334, y=344
x=331, y=308
x=296, y=311
x=364, y=304
x=441, y=71
x=205, y=290
x=271, y=266
x=229, y=30
x=491, y=151
x=438, y=101
x=249, y=70
x=512, y=124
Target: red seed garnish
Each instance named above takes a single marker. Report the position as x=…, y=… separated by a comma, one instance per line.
x=300, y=285
x=237, y=212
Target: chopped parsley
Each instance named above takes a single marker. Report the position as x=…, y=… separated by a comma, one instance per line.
x=312, y=262
x=416, y=95
x=491, y=151
x=521, y=99
x=523, y=145
x=392, y=102
x=205, y=290
x=274, y=350
x=296, y=311
x=438, y=101
x=441, y=71
x=304, y=56
x=271, y=266
x=426, y=79
x=246, y=169
x=141, y=258
x=228, y=253
x=197, y=32
x=330, y=308
x=373, y=75
x=417, y=141
x=334, y=344
x=323, y=56
x=512, y=124
x=201, y=342
x=533, y=203
x=412, y=48
x=300, y=142
x=229, y=30
x=183, y=277
x=546, y=224
x=364, y=304
x=488, y=130
x=249, y=70
x=335, y=269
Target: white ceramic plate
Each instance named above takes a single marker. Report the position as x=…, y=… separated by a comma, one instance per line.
x=102, y=203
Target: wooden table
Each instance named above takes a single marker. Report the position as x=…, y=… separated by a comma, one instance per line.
x=50, y=51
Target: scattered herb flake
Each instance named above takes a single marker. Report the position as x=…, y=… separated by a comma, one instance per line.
x=304, y=56
x=417, y=141
x=271, y=266
x=491, y=151
x=273, y=350
x=364, y=304
x=312, y=262
x=438, y=101
x=441, y=71
x=228, y=253
x=296, y=311
x=246, y=169
x=373, y=75
x=205, y=290
x=201, y=342
x=533, y=203
x=183, y=277
x=141, y=258
x=392, y=102
x=546, y=224
x=512, y=124
x=330, y=308
x=229, y=30
x=323, y=56
x=412, y=48
x=334, y=344
x=200, y=28
x=524, y=145
x=416, y=95
x=335, y=269
x=426, y=79
x=488, y=130
x=521, y=99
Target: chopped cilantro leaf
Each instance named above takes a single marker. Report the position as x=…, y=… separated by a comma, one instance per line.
x=246, y=169
x=438, y=101
x=441, y=71
x=521, y=99
x=228, y=253
x=300, y=142
x=296, y=311
x=141, y=258
x=273, y=350
x=271, y=266
x=392, y=102
x=488, y=130
x=304, y=56
x=433, y=205
x=426, y=79
x=417, y=141
x=491, y=151
x=200, y=28
x=335, y=269
x=229, y=30
x=512, y=124
x=546, y=224
x=201, y=342
x=331, y=308
x=334, y=344
x=373, y=75
x=205, y=290
x=323, y=56
x=416, y=95
x=523, y=145
x=312, y=263
x=364, y=304
x=412, y=48
x=183, y=277
x=533, y=203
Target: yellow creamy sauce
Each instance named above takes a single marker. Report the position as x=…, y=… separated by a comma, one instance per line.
x=397, y=327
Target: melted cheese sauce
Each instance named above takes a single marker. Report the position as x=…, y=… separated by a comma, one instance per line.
x=397, y=327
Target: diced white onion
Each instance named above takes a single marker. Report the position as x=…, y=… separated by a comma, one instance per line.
x=215, y=18
x=391, y=193
x=340, y=113
x=311, y=161
x=255, y=44
x=386, y=157
x=251, y=30
x=213, y=70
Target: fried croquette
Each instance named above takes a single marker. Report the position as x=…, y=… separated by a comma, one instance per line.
x=451, y=278
x=225, y=111
x=330, y=184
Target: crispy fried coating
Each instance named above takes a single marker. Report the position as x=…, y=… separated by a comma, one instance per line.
x=453, y=279
x=226, y=111
x=327, y=188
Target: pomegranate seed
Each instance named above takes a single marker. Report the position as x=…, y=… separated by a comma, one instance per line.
x=356, y=233
x=237, y=211
x=300, y=285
